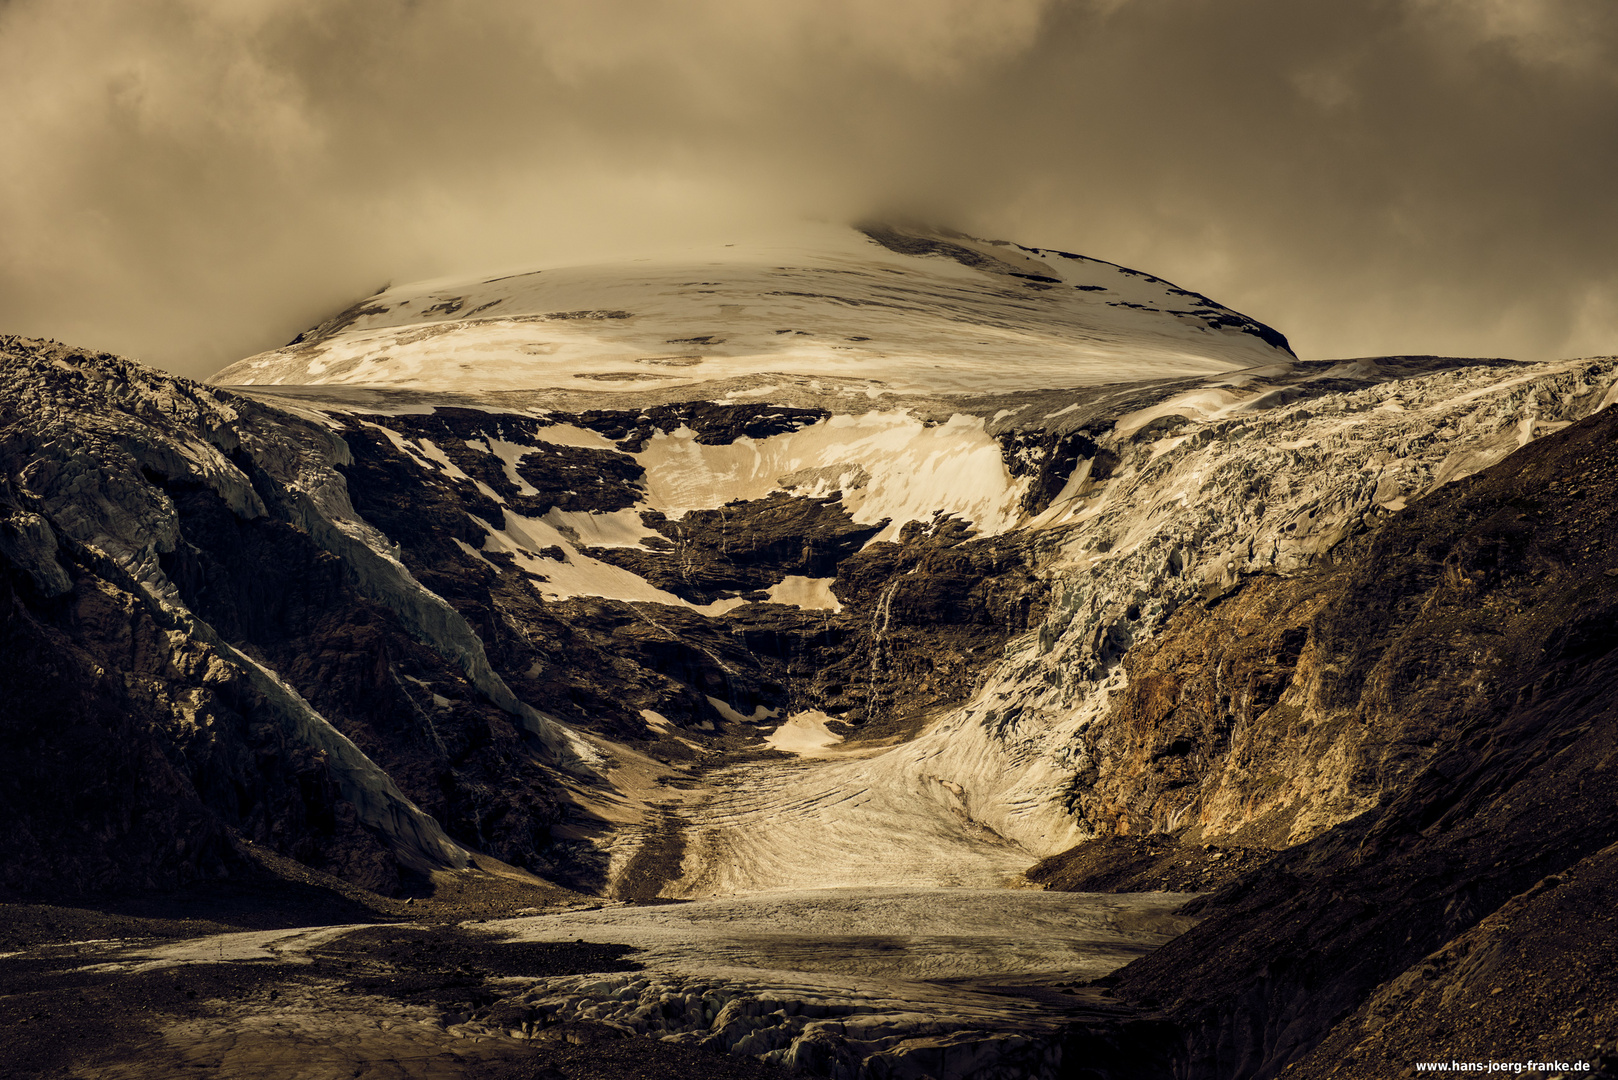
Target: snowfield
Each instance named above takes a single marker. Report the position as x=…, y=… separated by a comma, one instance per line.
x=925, y=311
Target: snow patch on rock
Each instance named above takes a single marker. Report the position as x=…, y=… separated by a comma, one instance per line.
x=887, y=465
x=812, y=594
x=804, y=734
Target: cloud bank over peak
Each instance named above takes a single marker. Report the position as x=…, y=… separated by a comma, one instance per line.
x=194, y=181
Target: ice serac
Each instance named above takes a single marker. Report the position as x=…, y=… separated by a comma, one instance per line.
x=1232, y=497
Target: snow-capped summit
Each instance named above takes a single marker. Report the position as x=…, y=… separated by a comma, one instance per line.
x=912, y=309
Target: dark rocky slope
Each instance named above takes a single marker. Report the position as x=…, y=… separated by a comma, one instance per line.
x=1456, y=665
x=136, y=753
x=192, y=667
x=954, y=599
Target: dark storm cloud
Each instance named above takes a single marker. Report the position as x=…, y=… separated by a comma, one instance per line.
x=193, y=180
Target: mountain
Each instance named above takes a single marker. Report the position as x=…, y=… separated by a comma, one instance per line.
x=897, y=561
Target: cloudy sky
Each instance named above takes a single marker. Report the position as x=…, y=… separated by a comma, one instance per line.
x=192, y=181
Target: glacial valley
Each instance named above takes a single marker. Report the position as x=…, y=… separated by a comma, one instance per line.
x=904, y=656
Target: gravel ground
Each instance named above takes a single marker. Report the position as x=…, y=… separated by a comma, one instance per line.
x=125, y=988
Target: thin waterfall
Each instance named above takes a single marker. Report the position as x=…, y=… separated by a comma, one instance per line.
x=881, y=618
